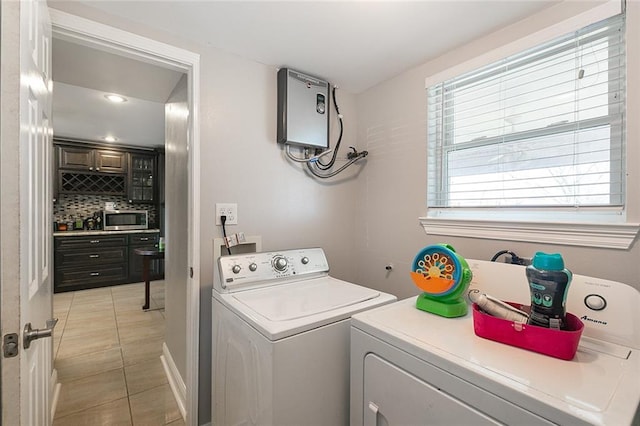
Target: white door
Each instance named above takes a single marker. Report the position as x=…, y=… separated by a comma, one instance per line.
x=26, y=198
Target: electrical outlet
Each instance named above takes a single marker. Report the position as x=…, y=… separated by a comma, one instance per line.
x=524, y=261
x=230, y=210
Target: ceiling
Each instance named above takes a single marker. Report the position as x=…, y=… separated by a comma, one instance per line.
x=82, y=76
x=353, y=44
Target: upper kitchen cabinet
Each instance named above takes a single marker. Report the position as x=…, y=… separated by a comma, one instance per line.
x=89, y=169
x=142, y=177
x=98, y=169
x=110, y=161
x=92, y=160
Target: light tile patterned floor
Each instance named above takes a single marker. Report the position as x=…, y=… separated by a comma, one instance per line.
x=107, y=354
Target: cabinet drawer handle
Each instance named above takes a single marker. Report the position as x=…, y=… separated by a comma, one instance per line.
x=94, y=274
x=94, y=241
x=90, y=168
x=144, y=239
x=94, y=256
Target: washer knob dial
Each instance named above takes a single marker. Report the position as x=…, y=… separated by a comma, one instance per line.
x=236, y=269
x=305, y=260
x=595, y=302
x=280, y=263
x=253, y=267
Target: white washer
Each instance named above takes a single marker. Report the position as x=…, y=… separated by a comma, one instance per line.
x=412, y=367
x=281, y=329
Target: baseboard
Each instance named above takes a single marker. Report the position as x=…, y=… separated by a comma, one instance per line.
x=55, y=387
x=176, y=383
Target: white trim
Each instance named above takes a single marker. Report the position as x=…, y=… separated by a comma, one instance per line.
x=94, y=33
x=176, y=383
x=55, y=386
x=613, y=236
x=193, y=287
x=606, y=10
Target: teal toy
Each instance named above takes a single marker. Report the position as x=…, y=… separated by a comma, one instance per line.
x=443, y=276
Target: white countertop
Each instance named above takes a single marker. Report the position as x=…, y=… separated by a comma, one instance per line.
x=80, y=233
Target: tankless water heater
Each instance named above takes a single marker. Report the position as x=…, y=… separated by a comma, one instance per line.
x=303, y=109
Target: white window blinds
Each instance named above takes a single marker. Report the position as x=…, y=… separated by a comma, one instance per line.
x=544, y=128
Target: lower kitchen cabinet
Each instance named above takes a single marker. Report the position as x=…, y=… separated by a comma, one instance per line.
x=83, y=278
x=83, y=262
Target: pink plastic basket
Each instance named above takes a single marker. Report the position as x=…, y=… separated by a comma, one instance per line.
x=561, y=344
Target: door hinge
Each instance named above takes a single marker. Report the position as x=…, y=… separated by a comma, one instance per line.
x=10, y=345
x=190, y=272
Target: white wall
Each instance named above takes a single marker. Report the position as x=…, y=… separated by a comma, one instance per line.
x=176, y=224
x=10, y=205
x=392, y=188
x=242, y=164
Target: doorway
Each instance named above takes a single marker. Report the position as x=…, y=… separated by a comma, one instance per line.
x=93, y=34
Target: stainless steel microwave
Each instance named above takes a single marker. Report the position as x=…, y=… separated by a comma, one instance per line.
x=122, y=220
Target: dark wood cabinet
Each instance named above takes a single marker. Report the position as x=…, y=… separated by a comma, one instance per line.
x=110, y=161
x=92, y=168
x=91, y=160
x=142, y=176
x=83, y=262
x=89, y=169
x=75, y=158
x=88, y=262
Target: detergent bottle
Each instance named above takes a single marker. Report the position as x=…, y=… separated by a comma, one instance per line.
x=549, y=284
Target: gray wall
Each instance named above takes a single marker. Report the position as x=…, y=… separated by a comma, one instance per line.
x=392, y=126
x=176, y=225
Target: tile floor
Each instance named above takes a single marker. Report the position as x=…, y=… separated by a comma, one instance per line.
x=107, y=354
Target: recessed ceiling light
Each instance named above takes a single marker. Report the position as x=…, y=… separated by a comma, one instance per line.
x=110, y=139
x=116, y=99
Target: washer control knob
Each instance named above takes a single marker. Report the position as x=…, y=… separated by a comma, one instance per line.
x=280, y=263
x=236, y=269
x=253, y=267
x=305, y=260
x=595, y=302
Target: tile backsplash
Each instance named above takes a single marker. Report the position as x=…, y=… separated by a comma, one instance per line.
x=70, y=206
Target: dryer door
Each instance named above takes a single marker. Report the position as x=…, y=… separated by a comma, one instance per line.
x=392, y=396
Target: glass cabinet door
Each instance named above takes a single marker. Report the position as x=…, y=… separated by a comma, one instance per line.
x=142, y=178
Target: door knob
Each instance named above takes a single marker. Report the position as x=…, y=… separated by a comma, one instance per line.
x=30, y=334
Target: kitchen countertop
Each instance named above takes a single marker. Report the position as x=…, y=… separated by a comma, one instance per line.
x=89, y=233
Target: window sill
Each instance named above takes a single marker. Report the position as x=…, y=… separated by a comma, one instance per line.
x=605, y=235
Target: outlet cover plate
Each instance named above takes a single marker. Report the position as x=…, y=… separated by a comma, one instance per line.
x=227, y=209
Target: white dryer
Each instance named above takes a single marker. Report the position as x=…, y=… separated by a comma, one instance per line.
x=410, y=367
x=280, y=339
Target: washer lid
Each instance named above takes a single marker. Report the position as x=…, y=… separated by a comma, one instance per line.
x=284, y=310
x=304, y=298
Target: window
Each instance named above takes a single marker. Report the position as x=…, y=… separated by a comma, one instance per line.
x=538, y=131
